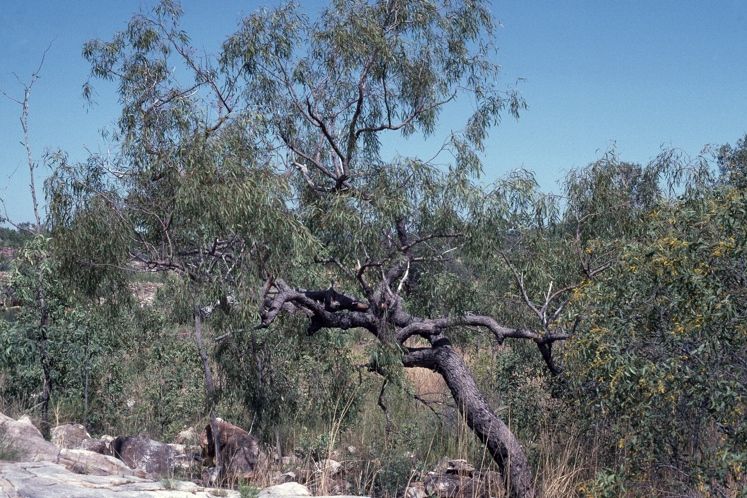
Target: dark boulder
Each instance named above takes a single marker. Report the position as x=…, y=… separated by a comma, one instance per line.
x=239, y=450
x=152, y=457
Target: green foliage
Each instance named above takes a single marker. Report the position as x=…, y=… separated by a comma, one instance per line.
x=11, y=240
x=732, y=163
x=287, y=379
x=248, y=490
x=610, y=196
x=659, y=360
x=15, y=238
x=606, y=484
x=395, y=474
x=207, y=197
x=39, y=322
x=76, y=335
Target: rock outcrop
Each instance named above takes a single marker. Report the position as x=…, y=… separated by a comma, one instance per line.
x=188, y=437
x=284, y=490
x=40, y=469
x=153, y=458
x=71, y=436
x=51, y=480
x=31, y=467
x=24, y=443
x=76, y=437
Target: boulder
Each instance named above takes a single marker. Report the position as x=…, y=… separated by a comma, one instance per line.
x=151, y=457
x=289, y=476
x=185, y=456
x=457, y=467
x=442, y=485
x=188, y=437
x=71, y=436
x=100, y=445
x=239, y=450
x=286, y=489
x=24, y=443
x=457, y=478
x=88, y=462
x=416, y=490
x=329, y=467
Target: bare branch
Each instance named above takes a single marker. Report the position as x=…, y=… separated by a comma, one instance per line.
x=322, y=125
x=296, y=150
x=26, y=141
x=352, y=135
x=435, y=326
x=420, y=109
x=522, y=288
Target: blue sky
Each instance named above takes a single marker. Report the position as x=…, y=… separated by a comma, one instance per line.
x=635, y=74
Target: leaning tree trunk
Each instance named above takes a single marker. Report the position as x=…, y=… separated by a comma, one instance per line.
x=503, y=446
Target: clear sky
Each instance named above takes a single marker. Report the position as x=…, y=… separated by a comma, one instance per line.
x=636, y=74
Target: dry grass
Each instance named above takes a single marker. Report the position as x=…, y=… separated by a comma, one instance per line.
x=427, y=384
x=563, y=465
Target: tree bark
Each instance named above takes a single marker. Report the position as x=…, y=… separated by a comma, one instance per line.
x=46, y=389
x=210, y=393
x=42, y=343
x=503, y=446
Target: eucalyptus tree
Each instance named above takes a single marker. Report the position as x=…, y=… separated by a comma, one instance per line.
x=36, y=286
x=268, y=161
x=54, y=335
x=328, y=91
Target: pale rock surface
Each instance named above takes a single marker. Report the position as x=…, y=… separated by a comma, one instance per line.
x=329, y=466
x=50, y=480
x=42, y=470
x=98, y=445
x=27, y=445
x=151, y=457
x=188, y=437
x=459, y=468
x=88, y=462
x=289, y=476
x=285, y=489
x=76, y=437
x=25, y=440
x=71, y=436
x=416, y=490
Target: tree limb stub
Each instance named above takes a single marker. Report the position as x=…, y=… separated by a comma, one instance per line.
x=321, y=306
